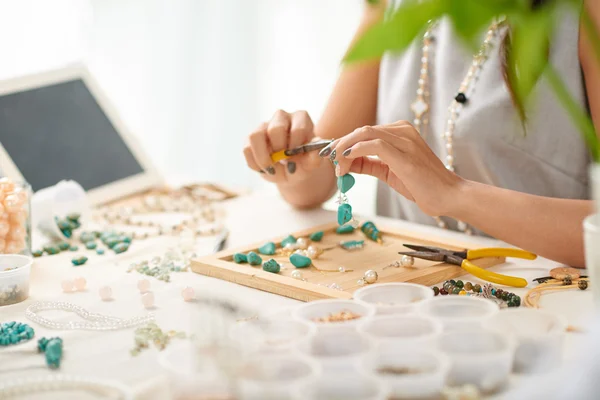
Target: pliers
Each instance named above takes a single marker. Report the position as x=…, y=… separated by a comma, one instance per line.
x=305, y=148
x=463, y=259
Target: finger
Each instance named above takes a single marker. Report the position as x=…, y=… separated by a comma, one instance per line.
x=301, y=130
x=278, y=130
x=381, y=171
x=376, y=147
x=250, y=159
x=260, y=149
x=390, y=134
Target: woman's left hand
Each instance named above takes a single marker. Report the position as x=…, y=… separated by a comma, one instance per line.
x=405, y=162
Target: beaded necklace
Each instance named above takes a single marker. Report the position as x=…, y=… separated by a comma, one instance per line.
x=421, y=105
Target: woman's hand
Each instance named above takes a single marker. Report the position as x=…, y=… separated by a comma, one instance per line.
x=284, y=131
x=405, y=162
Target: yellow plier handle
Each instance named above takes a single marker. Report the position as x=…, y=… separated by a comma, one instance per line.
x=500, y=252
x=493, y=276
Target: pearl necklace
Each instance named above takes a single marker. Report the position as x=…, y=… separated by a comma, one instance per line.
x=95, y=322
x=61, y=382
x=421, y=108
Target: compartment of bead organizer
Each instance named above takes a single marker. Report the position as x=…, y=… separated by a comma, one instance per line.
x=14, y=278
x=324, y=271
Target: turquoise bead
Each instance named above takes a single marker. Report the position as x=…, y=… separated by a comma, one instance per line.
x=345, y=182
x=87, y=237
x=120, y=248
x=74, y=217
x=317, y=236
x=344, y=214
x=240, y=258
x=288, y=239
x=105, y=235
x=99, y=251
x=53, y=352
x=52, y=250
x=14, y=332
x=73, y=248
x=91, y=245
x=300, y=261
x=267, y=249
x=37, y=253
x=79, y=260
x=112, y=242
x=344, y=229
x=253, y=258
x=352, y=244
x=62, y=224
x=63, y=246
x=67, y=233
x=125, y=239
x=271, y=266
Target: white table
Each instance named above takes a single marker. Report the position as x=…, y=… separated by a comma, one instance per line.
x=249, y=218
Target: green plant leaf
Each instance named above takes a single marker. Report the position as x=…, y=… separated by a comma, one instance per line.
x=528, y=54
x=397, y=32
x=471, y=17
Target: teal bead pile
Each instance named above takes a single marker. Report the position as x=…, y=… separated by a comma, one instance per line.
x=240, y=258
x=345, y=182
x=271, y=266
x=53, y=350
x=316, y=236
x=87, y=237
x=69, y=224
x=77, y=261
x=15, y=332
x=344, y=214
x=117, y=243
x=344, y=229
x=288, y=240
x=267, y=249
x=300, y=261
x=253, y=258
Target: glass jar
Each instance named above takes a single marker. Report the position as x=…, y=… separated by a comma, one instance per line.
x=15, y=217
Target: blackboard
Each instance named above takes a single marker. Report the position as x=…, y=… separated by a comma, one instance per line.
x=60, y=132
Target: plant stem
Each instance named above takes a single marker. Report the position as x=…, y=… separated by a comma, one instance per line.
x=579, y=117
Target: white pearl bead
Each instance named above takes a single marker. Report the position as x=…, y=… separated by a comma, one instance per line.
x=290, y=246
x=80, y=283
x=407, y=261
x=302, y=243
x=370, y=276
x=67, y=286
x=105, y=293
x=143, y=285
x=360, y=282
x=342, y=269
x=148, y=300
x=188, y=294
x=297, y=274
x=313, y=252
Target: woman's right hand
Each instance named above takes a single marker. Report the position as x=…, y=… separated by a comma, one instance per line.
x=283, y=131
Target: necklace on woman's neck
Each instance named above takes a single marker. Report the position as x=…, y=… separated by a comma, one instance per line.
x=421, y=106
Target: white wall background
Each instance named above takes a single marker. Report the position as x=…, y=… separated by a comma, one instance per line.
x=192, y=77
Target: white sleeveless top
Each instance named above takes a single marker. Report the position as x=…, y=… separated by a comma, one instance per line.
x=490, y=144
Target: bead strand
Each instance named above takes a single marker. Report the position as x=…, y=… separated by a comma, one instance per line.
x=461, y=288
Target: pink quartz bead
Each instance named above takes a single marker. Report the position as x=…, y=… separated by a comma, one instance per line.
x=105, y=293
x=18, y=217
x=148, y=300
x=13, y=247
x=188, y=294
x=67, y=286
x=12, y=203
x=16, y=232
x=2, y=245
x=143, y=285
x=80, y=283
x=4, y=227
x=6, y=185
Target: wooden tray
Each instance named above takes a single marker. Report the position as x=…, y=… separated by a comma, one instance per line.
x=325, y=269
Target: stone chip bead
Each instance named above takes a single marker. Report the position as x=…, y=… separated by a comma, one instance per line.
x=267, y=249
x=271, y=266
x=14, y=332
x=91, y=245
x=37, y=253
x=344, y=214
x=240, y=258
x=316, y=236
x=121, y=247
x=51, y=250
x=77, y=261
x=253, y=258
x=105, y=293
x=300, y=261
x=100, y=251
x=188, y=294
x=288, y=239
x=344, y=229
x=53, y=350
x=345, y=183
x=63, y=246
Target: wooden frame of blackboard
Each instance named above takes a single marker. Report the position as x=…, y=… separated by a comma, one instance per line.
x=148, y=179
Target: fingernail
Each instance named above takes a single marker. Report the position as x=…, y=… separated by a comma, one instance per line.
x=346, y=152
x=325, y=152
x=291, y=166
x=333, y=155
x=271, y=170
x=337, y=170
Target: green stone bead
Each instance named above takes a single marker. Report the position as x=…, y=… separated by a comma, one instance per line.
x=97, y=234
x=91, y=245
x=267, y=249
x=74, y=225
x=300, y=261
x=37, y=253
x=51, y=250
x=53, y=352
x=477, y=288
x=468, y=286
x=345, y=183
x=79, y=260
x=106, y=234
x=120, y=248
x=316, y=236
x=271, y=266
x=74, y=217
x=240, y=258
x=62, y=224
x=66, y=233
x=288, y=239
x=125, y=239
x=73, y=248
x=87, y=237
x=112, y=242
x=456, y=290
x=459, y=284
x=344, y=214
x=100, y=251
x=344, y=229
x=63, y=246
x=253, y=258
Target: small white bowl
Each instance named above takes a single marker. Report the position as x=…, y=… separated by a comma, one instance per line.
x=270, y=336
x=337, y=351
x=409, y=331
x=539, y=337
x=478, y=357
x=309, y=312
x=14, y=278
x=353, y=386
x=393, y=298
x=458, y=312
x=275, y=376
x=424, y=376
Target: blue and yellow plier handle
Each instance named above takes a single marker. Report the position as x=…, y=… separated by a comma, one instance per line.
x=463, y=259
